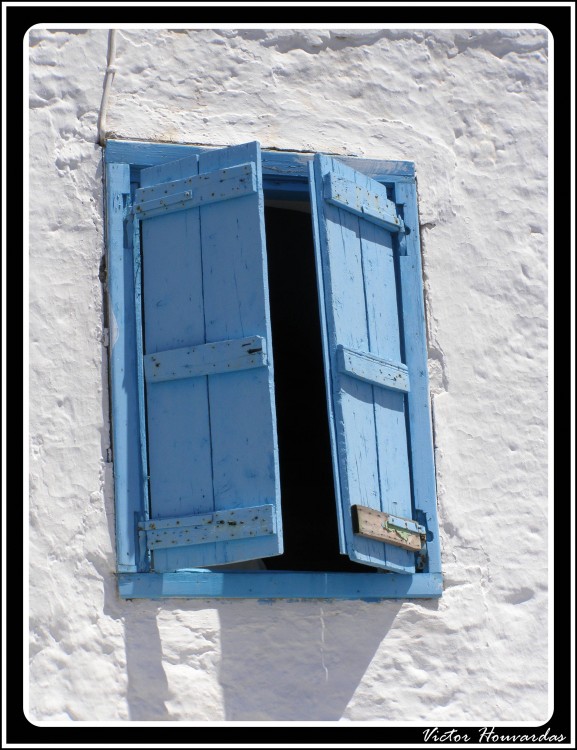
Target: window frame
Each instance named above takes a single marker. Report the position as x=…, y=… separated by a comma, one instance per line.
x=285, y=176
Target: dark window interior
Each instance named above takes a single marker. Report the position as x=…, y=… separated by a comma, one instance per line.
x=306, y=472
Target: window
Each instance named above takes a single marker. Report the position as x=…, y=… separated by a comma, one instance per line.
x=270, y=406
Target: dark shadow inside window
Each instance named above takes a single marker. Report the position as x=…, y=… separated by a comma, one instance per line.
x=306, y=472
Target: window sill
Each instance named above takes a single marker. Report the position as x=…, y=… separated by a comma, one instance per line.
x=198, y=584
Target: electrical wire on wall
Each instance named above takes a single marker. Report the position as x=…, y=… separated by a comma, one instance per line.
x=110, y=71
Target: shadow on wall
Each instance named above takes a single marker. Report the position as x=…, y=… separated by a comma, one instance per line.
x=277, y=661
x=147, y=688
x=297, y=661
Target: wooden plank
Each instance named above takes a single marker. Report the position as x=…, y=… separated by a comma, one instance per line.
x=167, y=171
x=122, y=354
x=295, y=164
x=240, y=523
x=178, y=412
x=206, y=359
x=375, y=524
x=146, y=153
x=374, y=370
x=418, y=400
x=274, y=162
x=197, y=190
x=279, y=585
x=137, y=261
x=382, y=307
x=352, y=399
x=371, y=203
x=242, y=416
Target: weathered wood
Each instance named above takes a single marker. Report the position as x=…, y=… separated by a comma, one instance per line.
x=198, y=190
x=374, y=524
x=285, y=163
x=266, y=584
x=242, y=408
x=227, y=525
x=206, y=359
x=360, y=313
x=371, y=203
x=212, y=441
x=178, y=414
x=374, y=370
x=418, y=400
x=122, y=353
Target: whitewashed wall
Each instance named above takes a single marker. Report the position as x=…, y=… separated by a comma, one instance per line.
x=470, y=109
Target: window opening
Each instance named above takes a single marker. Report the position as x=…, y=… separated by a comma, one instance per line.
x=306, y=472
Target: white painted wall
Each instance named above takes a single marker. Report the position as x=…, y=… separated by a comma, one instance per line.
x=470, y=109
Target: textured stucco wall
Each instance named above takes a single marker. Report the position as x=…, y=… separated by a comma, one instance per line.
x=470, y=109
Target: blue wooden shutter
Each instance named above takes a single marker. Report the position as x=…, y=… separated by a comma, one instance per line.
x=368, y=381
x=207, y=362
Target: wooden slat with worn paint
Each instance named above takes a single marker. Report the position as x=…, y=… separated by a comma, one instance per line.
x=177, y=412
x=127, y=474
x=360, y=303
x=242, y=413
x=206, y=359
x=221, y=526
x=371, y=203
x=374, y=370
x=418, y=400
x=383, y=323
x=198, y=190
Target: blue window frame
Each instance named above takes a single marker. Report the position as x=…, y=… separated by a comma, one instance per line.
x=192, y=376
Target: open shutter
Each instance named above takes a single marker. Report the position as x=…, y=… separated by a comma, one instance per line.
x=208, y=391
x=367, y=378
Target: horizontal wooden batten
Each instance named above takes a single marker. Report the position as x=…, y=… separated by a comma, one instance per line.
x=206, y=359
x=400, y=532
x=374, y=370
x=224, y=525
x=372, y=205
x=198, y=190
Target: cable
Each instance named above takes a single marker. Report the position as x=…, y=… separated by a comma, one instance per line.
x=110, y=71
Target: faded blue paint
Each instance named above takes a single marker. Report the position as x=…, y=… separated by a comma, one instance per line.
x=197, y=190
x=205, y=283
x=418, y=400
x=239, y=523
x=121, y=311
x=283, y=164
x=357, y=264
x=199, y=584
x=283, y=174
x=375, y=370
x=206, y=359
x=371, y=203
